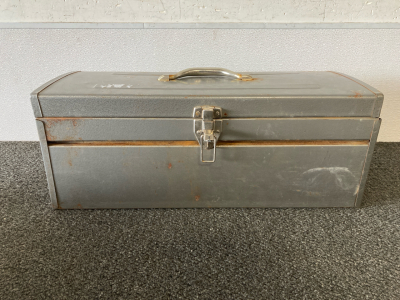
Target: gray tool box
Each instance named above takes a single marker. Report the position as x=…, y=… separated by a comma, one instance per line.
x=206, y=137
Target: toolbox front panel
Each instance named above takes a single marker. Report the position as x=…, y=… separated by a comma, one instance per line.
x=139, y=129
x=147, y=176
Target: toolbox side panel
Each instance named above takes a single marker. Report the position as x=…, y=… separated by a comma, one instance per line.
x=137, y=129
x=242, y=176
x=47, y=163
x=368, y=159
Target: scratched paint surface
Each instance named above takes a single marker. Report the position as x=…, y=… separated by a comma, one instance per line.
x=296, y=176
x=199, y=11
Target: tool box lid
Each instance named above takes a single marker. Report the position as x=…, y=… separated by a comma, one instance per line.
x=247, y=95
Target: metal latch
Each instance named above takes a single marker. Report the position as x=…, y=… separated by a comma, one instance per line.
x=207, y=128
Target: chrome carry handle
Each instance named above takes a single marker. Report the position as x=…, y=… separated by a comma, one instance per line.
x=204, y=72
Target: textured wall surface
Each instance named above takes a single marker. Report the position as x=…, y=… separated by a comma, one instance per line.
x=200, y=11
x=31, y=57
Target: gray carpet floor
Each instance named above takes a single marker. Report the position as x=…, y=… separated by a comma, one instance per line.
x=196, y=253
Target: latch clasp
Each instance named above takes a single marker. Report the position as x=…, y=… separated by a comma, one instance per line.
x=207, y=128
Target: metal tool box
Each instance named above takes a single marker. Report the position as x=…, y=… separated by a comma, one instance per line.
x=206, y=137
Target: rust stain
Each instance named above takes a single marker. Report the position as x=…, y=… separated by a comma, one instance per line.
x=50, y=137
x=169, y=166
x=352, y=79
x=125, y=143
x=190, y=96
x=220, y=143
x=357, y=95
x=71, y=153
x=291, y=142
x=194, y=191
x=313, y=193
x=49, y=123
x=55, y=122
x=250, y=79
x=225, y=114
x=79, y=206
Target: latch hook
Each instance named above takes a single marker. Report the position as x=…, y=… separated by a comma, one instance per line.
x=207, y=128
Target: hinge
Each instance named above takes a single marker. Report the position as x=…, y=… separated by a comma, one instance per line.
x=207, y=129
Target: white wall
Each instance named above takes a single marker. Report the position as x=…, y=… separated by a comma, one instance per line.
x=200, y=11
x=30, y=57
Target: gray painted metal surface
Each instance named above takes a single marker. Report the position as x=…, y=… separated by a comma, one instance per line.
x=34, y=95
x=162, y=129
x=275, y=94
x=300, y=139
x=374, y=136
x=47, y=163
x=172, y=176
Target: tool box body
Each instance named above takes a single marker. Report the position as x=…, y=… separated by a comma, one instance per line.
x=206, y=139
